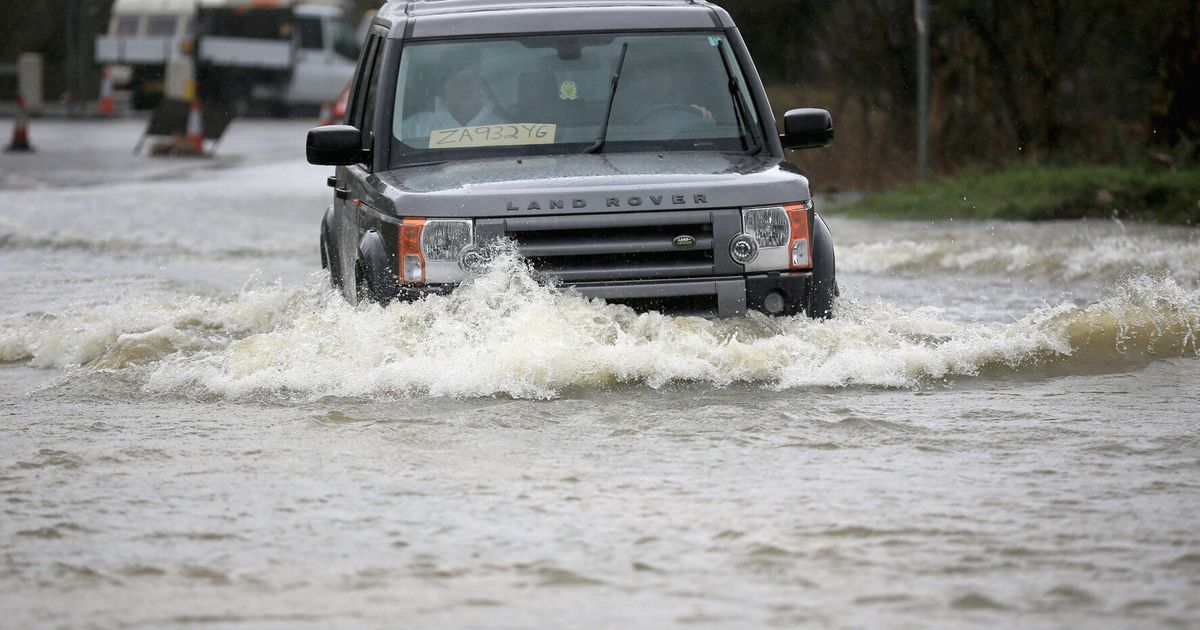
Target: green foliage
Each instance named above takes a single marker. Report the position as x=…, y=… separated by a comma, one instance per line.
x=1031, y=192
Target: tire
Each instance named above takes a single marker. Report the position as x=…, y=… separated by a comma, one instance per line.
x=362, y=286
x=823, y=288
x=375, y=282
x=327, y=262
x=330, y=257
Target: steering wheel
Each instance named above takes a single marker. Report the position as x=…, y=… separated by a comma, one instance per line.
x=666, y=107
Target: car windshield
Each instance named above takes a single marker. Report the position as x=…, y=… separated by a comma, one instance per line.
x=549, y=95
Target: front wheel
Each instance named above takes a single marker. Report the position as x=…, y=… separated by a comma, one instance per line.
x=818, y=304
x=374, y=280
x=823, y=288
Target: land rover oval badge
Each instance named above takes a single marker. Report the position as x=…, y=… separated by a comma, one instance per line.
x=683, y=241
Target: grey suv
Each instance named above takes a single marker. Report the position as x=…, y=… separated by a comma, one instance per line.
x=626, y=148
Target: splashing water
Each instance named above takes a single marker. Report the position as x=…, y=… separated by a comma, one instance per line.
x=507, y=333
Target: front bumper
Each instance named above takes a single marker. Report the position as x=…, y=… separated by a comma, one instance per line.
x=722, y=297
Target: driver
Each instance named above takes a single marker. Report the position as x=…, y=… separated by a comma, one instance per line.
x=660, y=98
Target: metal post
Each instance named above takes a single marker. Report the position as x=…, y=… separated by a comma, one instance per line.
x=922, y=17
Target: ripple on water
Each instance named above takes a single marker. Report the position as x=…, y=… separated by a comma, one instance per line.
x=48, y=458
x=976, y=601
x=1067, y=596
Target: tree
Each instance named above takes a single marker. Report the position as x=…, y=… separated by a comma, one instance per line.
x=1175, y=113
x=1030, y=51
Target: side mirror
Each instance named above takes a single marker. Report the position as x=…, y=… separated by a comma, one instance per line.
x=807, y=128
x=335, y=145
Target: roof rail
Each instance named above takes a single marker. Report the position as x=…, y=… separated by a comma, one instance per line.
x=455, y=6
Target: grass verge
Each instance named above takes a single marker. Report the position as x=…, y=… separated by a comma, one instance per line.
x=1029, y=192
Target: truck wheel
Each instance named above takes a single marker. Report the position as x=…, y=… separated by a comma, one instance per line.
x=823, y=288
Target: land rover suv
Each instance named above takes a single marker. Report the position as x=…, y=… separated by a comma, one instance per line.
x=624, y=148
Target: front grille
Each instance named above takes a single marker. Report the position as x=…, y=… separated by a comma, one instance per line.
x=616, y=247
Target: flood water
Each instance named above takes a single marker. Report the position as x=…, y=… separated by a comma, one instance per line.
x=1001, y=426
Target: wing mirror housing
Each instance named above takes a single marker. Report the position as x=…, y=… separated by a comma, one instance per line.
x=335, y=145
x=807, y=128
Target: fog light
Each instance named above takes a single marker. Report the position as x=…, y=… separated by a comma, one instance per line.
x=744, y=249
x=413, y=271
x=472, y=259
x=773, y=303
x=800, y=253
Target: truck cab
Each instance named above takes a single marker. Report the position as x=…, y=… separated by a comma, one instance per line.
x=625, y=149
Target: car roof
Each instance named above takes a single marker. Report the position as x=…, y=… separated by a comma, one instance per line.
x=449, y=18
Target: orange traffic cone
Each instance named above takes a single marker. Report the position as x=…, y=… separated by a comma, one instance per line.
x=20, y=136
x=108, y=105
x=195, y=129
x=326, y=114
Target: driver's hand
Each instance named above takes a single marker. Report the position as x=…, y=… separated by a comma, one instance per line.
x=705, y=114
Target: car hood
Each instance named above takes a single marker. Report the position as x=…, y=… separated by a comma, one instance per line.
x=625, y=182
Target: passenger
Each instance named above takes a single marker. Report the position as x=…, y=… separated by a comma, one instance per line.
x=464, y=101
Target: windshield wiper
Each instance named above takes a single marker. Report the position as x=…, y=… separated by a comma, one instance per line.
x=741, y=110
x=612, y=96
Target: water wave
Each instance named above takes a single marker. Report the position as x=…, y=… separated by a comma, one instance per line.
x=94, y=244
x=1106, y=253
x=507, y=334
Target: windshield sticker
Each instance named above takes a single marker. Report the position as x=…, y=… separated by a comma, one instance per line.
x=568, y=91
x=493, y=135
x=714, y=40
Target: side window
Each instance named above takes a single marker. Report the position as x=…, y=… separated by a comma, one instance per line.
x=362, y=106
x=372, y=95
x=161, y=25
x=127, y=25
x=311, y=37
x=362, y=75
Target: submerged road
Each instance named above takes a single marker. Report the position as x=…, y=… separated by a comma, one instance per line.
x=1000, y=427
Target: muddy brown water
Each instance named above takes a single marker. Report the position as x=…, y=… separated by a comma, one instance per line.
x=1000, y=427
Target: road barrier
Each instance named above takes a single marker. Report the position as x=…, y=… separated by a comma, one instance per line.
x=181, y=127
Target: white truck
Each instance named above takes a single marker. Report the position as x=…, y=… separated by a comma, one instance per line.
x=278, y=53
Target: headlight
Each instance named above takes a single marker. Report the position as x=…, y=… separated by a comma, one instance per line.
x=782, y=235
x=442, y=240
x=769, y=226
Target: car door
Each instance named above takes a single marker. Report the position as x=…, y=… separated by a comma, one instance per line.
x=351, y=180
